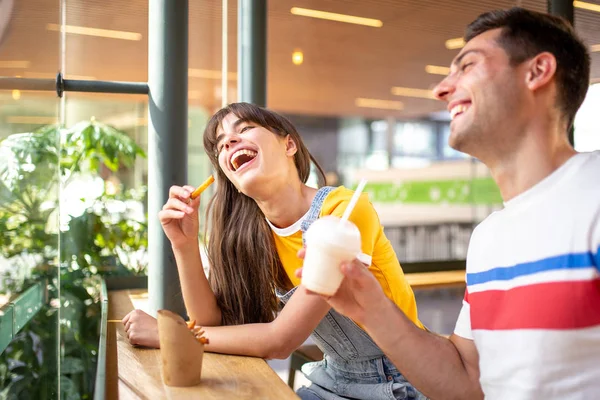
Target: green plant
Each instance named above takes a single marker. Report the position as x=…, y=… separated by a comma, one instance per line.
x=94, y=241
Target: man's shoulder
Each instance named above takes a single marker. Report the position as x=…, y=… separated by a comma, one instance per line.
x=481, y=239
x=488, y=225
x=592, y=155
x=590, y=160
x=583, y=187
x=589, y=165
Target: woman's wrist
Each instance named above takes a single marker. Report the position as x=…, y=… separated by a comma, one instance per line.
x=186, y=247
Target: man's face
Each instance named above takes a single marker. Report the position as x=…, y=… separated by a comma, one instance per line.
x=483, y=92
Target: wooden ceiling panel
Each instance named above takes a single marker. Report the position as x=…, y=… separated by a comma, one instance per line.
x=341, y=61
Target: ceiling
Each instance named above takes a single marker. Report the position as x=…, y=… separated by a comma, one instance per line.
x=342, y=61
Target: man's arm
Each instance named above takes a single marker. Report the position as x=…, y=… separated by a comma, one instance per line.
x=438, y=367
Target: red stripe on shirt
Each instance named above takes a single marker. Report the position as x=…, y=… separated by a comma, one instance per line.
x=552, y=305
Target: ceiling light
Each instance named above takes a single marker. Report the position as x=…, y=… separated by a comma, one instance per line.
x=595, y=47
x=210, y=74
x=106, y=33
x=436, y=69
x=16, y=94
x=456, y=43
x=586, y=6
x=15, y=64
x=31, y=120
x=350, y=19
x=377, y=103
x=411, y=92
x=297, y=57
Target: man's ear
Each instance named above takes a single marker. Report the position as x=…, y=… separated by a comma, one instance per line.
x=541, y=69
x=290, y=146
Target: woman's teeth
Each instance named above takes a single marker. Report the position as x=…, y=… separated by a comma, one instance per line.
x=241, y=157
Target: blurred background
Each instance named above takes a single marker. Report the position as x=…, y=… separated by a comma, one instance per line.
x=74, y=170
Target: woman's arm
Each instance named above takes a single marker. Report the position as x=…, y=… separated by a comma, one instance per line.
x=179, y=220
x=277, y=339
x=200, y=301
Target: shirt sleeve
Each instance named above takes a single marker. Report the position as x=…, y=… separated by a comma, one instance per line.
x=366, y=220
x=463, y=323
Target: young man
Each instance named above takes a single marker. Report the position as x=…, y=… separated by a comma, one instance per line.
x=530, y=323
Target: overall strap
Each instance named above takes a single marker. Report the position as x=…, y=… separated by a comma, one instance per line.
x=315, y=209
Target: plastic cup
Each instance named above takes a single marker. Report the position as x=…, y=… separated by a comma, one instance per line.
x=330, y=241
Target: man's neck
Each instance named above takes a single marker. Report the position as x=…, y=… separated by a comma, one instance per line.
x=537, y=157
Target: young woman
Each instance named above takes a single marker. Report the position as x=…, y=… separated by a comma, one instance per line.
x=258, y=215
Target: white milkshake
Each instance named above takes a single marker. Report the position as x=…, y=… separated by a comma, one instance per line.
x=329, y=242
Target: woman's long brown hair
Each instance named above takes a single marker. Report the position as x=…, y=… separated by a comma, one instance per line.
x=245, y=268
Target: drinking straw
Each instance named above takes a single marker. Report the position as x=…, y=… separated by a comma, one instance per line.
x=354, y=199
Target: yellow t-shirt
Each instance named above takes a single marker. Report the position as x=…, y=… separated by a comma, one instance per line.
x=377, y=250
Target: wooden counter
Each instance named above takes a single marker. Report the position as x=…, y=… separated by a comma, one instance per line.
x=436, y=280
x=223, y=376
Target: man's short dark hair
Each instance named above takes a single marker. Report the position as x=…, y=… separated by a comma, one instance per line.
x=526, y=34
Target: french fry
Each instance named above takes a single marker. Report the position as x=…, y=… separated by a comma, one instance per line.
x=202, y=187
x=197, y=331
x=202, y=340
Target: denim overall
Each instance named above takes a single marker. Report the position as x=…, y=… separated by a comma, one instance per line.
x=353, y=367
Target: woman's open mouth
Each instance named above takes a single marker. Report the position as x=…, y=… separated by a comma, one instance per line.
x=242, y=158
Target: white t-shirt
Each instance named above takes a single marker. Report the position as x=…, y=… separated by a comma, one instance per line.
x=532, y=304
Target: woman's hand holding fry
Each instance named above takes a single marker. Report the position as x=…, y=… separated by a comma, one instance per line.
x=179, y=217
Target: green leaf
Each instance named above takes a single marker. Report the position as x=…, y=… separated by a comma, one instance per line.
x=68, y=389
x=71, y=365
x=32, y=167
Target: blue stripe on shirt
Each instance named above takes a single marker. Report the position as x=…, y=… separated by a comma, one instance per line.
x=565, y=261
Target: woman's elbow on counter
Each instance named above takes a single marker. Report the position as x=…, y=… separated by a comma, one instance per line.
x=279, y=348
x=279, y=353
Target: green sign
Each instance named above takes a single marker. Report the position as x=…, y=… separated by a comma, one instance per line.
x=478, y=191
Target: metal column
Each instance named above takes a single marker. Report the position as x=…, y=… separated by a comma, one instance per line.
x=167, y=139
x=565, y=9
x=252, y=51
x=562, y=8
